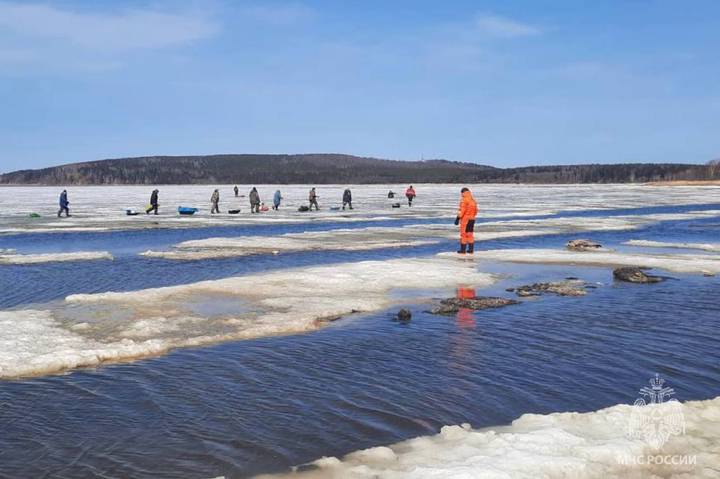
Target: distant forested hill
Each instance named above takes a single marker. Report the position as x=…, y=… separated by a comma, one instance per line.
x=335, y=168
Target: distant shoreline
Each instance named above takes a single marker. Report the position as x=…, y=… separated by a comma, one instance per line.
x=335, y=168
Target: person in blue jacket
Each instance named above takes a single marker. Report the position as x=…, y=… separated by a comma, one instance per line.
x=64, y=204
x=276, y=200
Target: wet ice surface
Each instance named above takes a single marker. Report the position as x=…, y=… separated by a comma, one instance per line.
x=330, y=240
x=263, y=405
x=14, y=258
x=683, y=263
x=150, y=322
x=662, y=244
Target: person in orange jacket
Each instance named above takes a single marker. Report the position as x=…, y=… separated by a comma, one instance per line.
x=466, y=219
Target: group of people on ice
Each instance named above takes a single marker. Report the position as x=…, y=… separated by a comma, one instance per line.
x=256, y=205
x=465, y=218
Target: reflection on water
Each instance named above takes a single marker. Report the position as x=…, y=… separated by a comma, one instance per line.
x=464, y=316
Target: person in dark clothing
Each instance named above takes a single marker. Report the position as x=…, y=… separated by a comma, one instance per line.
x=347, y=198
x=153, y=202
x=64, y=204
x=215, y=201
x=391, y=194
x=312, y=197
x=237, y=190
x=254, y=201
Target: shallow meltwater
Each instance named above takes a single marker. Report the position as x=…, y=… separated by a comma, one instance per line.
x=264, y=404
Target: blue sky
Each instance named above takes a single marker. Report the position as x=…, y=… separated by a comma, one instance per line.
x=504, y=83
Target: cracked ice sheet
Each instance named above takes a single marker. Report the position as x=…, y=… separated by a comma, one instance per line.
x=91, y=329
x=361, y=239
x=680, y=263
x=588, y=445
x=102, y=208
x=13, y=258
x=661, y=244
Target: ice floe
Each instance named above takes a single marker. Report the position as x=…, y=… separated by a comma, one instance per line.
x=15, y=258
x=89, y=329
x=663, y=244
x=681, y=263
x=360, y=239
x=593, y=445
x=345, y=239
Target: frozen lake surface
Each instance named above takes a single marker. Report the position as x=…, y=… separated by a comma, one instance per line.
x=254, y=377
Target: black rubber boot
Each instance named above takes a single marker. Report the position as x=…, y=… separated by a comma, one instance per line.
x=462, y=248
x=471, y=248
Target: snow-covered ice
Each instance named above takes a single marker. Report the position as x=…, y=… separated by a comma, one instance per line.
x=663, y=244
x=593, y=445
x=681, y=263
x=596, y=223
x=101, y=208
x=89, y=329
x=360, y=239
x=14, y=258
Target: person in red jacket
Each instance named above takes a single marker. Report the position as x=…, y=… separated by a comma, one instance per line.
x=466, y=220
x=410, y=195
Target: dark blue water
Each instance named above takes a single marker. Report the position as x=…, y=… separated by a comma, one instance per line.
x=242, y=408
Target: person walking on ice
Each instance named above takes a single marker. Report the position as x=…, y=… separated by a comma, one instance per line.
x=153, y=202
x=410, y=195
x=312, y=197
x=215, y=200
x=466, y=220
x=254, y=201
x=64, y=204
x=277, y=198
x=347, y=198
x=237, y=190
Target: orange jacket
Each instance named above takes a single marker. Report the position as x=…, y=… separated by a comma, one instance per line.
x=468, y=207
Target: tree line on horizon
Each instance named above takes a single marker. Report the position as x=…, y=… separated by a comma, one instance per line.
x=341, y=169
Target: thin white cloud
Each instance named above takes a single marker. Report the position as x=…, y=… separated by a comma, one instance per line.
x=280, y=14
x=124, y=30
x=497, y=26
